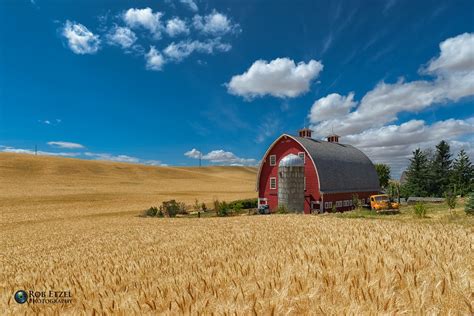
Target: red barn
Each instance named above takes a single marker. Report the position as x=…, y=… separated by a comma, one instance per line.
x=333, y=172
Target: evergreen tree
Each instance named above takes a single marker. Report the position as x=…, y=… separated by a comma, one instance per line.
x=417, y=174
x=462, y=173
x=441, y=169
x=383, y=171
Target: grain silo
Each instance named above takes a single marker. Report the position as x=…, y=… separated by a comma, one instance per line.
x=291, y=183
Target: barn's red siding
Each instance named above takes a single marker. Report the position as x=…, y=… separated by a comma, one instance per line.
x=284, y=146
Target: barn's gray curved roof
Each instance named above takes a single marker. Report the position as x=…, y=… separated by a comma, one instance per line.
x=341, y=167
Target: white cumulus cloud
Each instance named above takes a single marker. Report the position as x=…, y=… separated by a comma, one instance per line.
x=215, y=24
x=154, y=59
x=176, y=26
x=121, y=36
x=281, y=77
x=144, y=18
x=67, y=145
x=332, y=106
x=382, y=104
x=80, y=40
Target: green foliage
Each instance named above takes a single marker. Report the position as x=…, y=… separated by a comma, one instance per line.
x=282, y=209
x=383, y=171
x=151, y=212
x=463, y=173
x=418, y=174
x=450, y=199
x=171, y=208
x=334, y=208
x=393, y=190
x=236, y=207
x=204, y=207
x=469, y=208
x=224, y=209
x=441, y=169
x=244, y=204
x=420, y=209
x=221, y=208
x=355, y=201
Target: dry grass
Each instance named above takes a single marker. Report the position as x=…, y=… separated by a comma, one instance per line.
x=118, y=263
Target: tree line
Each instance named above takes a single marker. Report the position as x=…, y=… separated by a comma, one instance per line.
x=433, y=173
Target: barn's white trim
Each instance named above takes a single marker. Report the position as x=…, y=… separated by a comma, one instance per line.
x=268, y=151
x=274, y=186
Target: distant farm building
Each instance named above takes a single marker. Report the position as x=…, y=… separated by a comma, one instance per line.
x=305, y=174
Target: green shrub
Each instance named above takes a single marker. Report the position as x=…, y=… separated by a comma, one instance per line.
x=236, y=207
x=282, y=209
x=420, y=209
x=334, y=208
x=171, y=208
x=244, y=204
x=151, y=212
x=451, y=199
x=469, y=209
x=160, y=212
x=224, y=209
x=355, y=201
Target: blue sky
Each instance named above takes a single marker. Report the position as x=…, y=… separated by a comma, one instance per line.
x=157, y=82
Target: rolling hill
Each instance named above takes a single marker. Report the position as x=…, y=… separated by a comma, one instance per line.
x=41, y=187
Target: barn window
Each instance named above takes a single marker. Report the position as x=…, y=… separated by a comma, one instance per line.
x=273, y=183
x=338, y=203
x=350, y=202
x=327, y=205
x=345, y=203
x=273, y=159
x=301, y=155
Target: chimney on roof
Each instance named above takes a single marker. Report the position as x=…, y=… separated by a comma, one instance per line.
x=333, y=138
x=305, y=132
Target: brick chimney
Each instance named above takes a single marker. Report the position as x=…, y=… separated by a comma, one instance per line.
x=333, y=138
x=305, y=132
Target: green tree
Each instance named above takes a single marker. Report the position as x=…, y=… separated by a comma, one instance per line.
x=383, y=171
x=462, y=173
x=441, y=169
x=417, y=175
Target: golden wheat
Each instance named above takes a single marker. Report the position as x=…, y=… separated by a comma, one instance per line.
x=118, y=263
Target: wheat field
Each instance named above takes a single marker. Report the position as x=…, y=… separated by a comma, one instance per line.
x=85, y=236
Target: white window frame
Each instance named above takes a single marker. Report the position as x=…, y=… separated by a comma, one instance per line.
x=272, y=160
x=275, y=186
x=302, y=156
x=350, y=202
x=327, y=205
x=338, y=203
x=345, y=203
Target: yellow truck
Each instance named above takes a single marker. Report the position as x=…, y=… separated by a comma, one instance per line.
x=382, y=203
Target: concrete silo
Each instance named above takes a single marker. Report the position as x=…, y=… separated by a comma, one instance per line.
x=291, y=183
